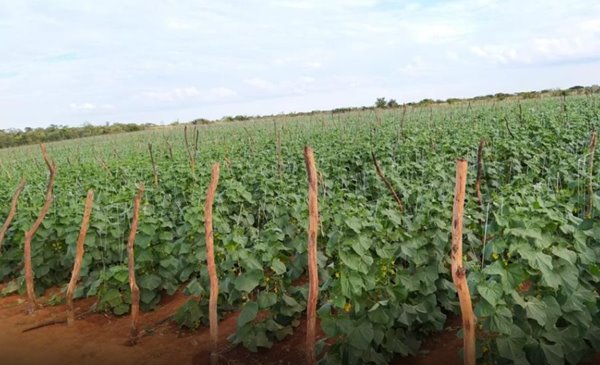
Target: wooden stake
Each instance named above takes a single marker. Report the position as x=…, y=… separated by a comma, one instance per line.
x=458, y=271
x=592, y=149
x=210, y=261
x=278, y=151
x=13, y=210
x=387, y=183
x=480, y=172
x=187, y=148
x=135, y=291
x=313, y=270
x=196, y=138
x=29, y=234
x=508, y=127
x=79, y=256
x=5, y=170
x=153, y=165
x=170, y=148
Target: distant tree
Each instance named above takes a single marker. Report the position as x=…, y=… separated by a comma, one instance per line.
x=17, y=137
x=392, y=103
x=380, y=103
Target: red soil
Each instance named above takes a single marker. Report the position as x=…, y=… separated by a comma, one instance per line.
x=102, y=339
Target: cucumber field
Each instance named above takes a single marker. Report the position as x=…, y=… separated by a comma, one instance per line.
x=385, y=187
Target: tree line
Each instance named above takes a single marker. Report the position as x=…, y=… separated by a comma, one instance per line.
x=18, y=137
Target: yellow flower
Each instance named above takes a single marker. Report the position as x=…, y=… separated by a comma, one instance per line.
x=347, y=307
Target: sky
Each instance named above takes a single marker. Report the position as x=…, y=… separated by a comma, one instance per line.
x=76, y=62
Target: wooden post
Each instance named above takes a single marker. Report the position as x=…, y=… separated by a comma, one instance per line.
x=191, y=156
x=79, y=256
x=278, y=151
x=135, y=291
x=13, y=210
x=210, y=261
x=5, y=170
x=387, y=183
x=592, y=149
x=29, y=234
x=508, y=127
x=153, y=165
x=313, y=270
x=458, y=271
x=480, y=171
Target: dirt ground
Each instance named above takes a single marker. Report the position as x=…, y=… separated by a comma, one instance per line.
x=102, y=339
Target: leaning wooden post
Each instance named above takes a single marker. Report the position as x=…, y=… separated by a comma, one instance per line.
x=210, y=261
x=135, y=291
x=592, y=149
x=79, y=256
x=13, y=210
x=313, y=273
x=387, y=183
x=29, y=234
x=458, y=271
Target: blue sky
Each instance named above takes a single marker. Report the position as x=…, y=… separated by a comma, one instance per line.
x=71, y=62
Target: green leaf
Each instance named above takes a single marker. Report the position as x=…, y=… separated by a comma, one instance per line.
x=247, y=314
x=565, y=254
x=361, y=336
x=553, y=353
x=266, y=299
x=248, y=281
x=525, y=232
x=121, y=274
x=355, y=262
x=512, y=349
x=393, y=216
x=536, y=310
x=354, y=223
x=538, y=260
x=121, y=309
x=278, y=267
x=147, y=296
x=501, y=321
x=289, y=300
x=491, y=292
x=194, y=288
x=112, y=297
x=166, y=236
x=149, y=281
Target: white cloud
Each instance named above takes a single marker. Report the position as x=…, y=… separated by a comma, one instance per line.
x=313, y=64
x=153, y=61
x=436, y=33
x=592, y=25
x=174, y=94
x=260, y=84
x=497, y=53
x=88, y=107
x=222, y=92
x=180, y=24
x=319, y=4
x=187, y=94
x=414, y=68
